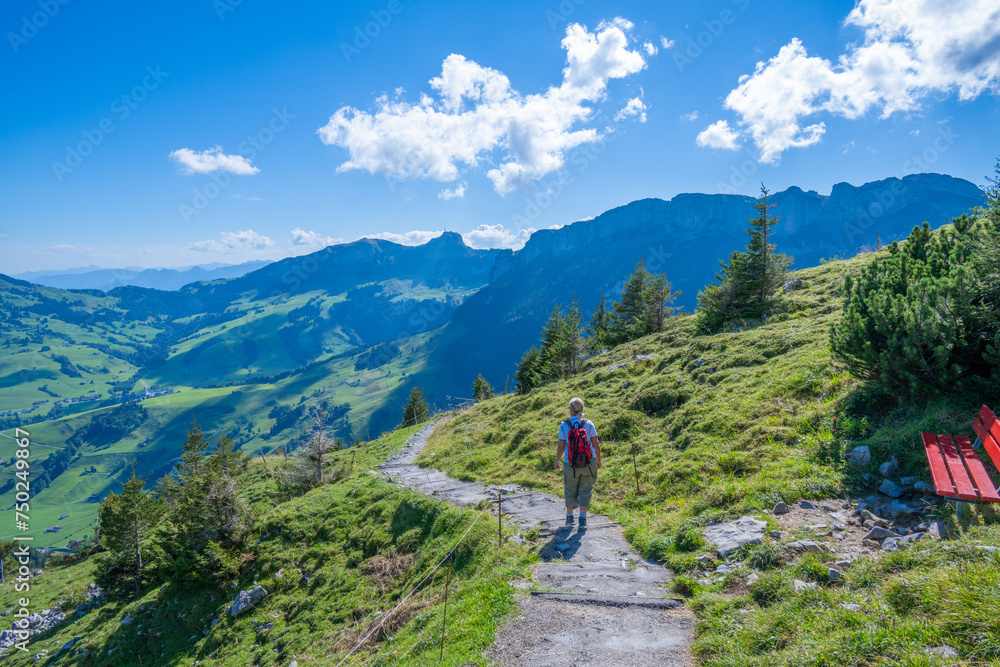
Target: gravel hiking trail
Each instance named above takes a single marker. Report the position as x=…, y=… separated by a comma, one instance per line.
x=597, y=601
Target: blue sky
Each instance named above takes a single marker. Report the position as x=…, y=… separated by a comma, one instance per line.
x=171, y=134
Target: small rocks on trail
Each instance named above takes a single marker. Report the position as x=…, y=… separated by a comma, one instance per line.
x=730, y=536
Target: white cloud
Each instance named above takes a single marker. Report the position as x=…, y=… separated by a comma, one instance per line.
x=497, y=236
x=416, y=237
x=457, y=193
x=301, y=237
x=666, y=43
x=650, y=49
x=213, y=159
x=234, y=242
x=690, y=116
x=718, y=135
x=474, y=112
x=634, y=109
x=912, y=49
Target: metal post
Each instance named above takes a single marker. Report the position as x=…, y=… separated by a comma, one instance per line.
x=635, y=467
x=444, y=619
x=352, y=462
x=959, y=509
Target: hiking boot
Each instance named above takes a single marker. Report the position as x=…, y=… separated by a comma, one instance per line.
x=583, y=521
x=569, y=519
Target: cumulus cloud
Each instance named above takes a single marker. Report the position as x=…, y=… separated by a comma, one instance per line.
x=690, y=116
x=634, y=109
x=666, y=43
x=650, y=49
x=456, y=193
x=497, y=236
x=203, y=162
x=230, y=242
x=474, y=113
x=911, y=49
x=300, y=237
x=718, y=135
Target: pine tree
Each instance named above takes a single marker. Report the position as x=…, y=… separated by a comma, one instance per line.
x=597, y=330
x=481, y=389
x=528, y=375
x=574, y=336
x=126, y=520
x=313, y=455
x=657, y=298
x=554, y=344
x=416, y=410
x=628, y=316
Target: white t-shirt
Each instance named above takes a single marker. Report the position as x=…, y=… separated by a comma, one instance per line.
x=564, y=435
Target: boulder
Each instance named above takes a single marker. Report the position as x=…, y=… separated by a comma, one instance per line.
x=730, y=536
x=806, y=505
x=805, y=545
x=879, y=534
x=924, y=487
x=889, y=468
x=832, y=574
x=246, y=600
x=890, y=488
x=896, y=509
x=782, y=508
x=907, y=481
x=860, y=456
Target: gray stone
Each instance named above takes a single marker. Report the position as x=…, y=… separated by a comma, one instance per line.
x=293, y=663
x=889, y=468
x=868, y=516
x=776, y=534
x=702, y=560
x=792, y=284
x=806, y=505
x=924, y=487
x=127, y=620
x=944, y=651
x=911, y=538
x=890, y=488
x=896, y=509
x=246, y=600
x=730, y=536
x=907, y=481
x=878, y=534
x=828, y=508
x=723, y=569
x=891, y=544
x=802, y=586
x=860, y=456
x=782, y=508
x=752, y=579
x=842, y=564
x=989, y=550
x=850, y=606
x=833, y=575
x=805, y=545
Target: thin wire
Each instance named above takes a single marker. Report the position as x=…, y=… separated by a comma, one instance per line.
x=32, y=441
x=385, y=617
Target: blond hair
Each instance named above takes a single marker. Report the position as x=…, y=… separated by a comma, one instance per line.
x=576, y=406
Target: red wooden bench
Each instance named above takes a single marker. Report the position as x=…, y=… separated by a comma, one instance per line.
x=957, y=471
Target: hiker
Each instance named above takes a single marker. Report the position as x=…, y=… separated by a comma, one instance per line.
x=579, y=453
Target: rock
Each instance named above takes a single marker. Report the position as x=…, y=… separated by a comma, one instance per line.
x=891, y=544
x=896, y=509
x=702, y=560
x=805, y=545
x=127, y=620
x=264, y=628
x=775, y=534
x=944, y=651
x=860, y=456
x=752, y=579
x=868, y=516
x=782, y=508
x=833, y=575
x=293, y=663
x=889, y=468
x=792, y=284
x=246, y=600
x=806, y=505
x=723, y=569
x=842, y=564
x=642, y=358
x=890, y=488
x=989, y=550
x=802, y=586
x=935, y=530
x=879, y=534
x=907, y=481
x=850, y=606
x=730, y=536
x=924, y=487
x=871, y=544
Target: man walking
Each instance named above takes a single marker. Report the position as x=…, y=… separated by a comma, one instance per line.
x=579, y=453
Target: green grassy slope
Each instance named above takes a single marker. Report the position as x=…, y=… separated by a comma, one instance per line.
x=732, y=423
x=333, y=562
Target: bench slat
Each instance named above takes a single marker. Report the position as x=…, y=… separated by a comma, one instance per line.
x=939, y=471
x=987, y=427
x=976, y=470
x=963, y=485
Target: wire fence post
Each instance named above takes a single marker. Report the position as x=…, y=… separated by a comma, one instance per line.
x=351, y=472
x=444, y=618
x=635, y=467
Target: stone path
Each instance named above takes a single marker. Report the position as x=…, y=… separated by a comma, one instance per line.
x=603, y=605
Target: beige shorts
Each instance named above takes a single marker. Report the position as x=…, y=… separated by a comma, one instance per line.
x=578, y=488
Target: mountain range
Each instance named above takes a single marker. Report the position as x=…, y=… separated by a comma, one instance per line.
x=96, y=277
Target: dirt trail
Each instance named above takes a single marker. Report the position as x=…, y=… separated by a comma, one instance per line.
x=603, y=605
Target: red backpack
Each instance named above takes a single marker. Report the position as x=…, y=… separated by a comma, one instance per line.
x=578, y=444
